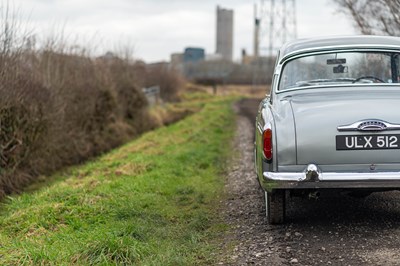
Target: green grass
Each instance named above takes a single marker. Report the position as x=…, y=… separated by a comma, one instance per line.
x=150, y=202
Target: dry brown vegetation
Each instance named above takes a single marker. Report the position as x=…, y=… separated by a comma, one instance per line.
x=60, y=106
x=251, y=91
x=380, y=17
x=167, y=79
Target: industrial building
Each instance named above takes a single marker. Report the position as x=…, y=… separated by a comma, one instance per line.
x=193, y=55
x=225, y=33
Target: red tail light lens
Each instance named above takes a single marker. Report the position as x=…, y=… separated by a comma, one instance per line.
x=267, y=136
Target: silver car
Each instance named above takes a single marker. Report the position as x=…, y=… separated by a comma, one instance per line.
x=331, y=121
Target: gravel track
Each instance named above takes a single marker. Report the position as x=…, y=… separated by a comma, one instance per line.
x=333, y=230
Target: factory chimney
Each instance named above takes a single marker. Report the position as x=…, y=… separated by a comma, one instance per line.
x=256, y=33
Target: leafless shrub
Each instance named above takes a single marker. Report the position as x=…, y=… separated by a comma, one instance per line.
x=380, y=17
x=170, y=81
x=59, y=105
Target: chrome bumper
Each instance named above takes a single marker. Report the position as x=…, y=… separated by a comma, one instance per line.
x=312, y=177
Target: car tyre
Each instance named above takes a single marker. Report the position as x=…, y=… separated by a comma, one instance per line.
x=275, y=206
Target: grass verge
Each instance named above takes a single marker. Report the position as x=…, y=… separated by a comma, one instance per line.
x=150, y=202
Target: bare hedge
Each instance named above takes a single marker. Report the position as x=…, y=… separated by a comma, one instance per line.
x=59, y=105
x=58, y=109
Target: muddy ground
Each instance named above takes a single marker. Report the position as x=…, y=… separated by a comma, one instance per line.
x=333, y=230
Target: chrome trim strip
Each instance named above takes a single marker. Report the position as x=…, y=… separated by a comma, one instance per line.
x=313, y=173
x=259, y=127
x=290, y=177
x=369, y=125
x=360, y=176
x=321, y=86
x=331, y=176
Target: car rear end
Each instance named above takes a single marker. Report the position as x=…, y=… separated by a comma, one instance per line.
x=331, y=122
x=341, y=137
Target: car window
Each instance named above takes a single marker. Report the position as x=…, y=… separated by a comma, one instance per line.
x=341, y=68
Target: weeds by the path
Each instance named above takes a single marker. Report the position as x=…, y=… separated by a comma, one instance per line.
x=151, y=202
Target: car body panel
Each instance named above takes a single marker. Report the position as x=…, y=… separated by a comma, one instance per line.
x=305, y=123
x=333, y=110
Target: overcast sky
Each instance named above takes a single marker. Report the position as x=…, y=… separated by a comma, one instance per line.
x=157, y=28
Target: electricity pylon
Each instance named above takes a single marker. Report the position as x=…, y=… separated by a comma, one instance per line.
x=278, y=24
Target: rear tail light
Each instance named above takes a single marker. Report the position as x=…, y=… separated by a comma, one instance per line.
x=267, y=149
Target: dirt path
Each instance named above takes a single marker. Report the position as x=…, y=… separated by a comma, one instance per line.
x=334, y=230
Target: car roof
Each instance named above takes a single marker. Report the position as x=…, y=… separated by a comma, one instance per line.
x=325, y=43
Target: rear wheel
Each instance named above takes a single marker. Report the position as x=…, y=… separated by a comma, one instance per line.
x=275, y=206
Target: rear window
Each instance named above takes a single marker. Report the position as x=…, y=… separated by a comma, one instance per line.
x=341, y=69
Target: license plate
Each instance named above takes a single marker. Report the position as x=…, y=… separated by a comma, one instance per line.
x=367, y=142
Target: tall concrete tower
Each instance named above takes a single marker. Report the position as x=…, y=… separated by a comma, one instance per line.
x=225, y=33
